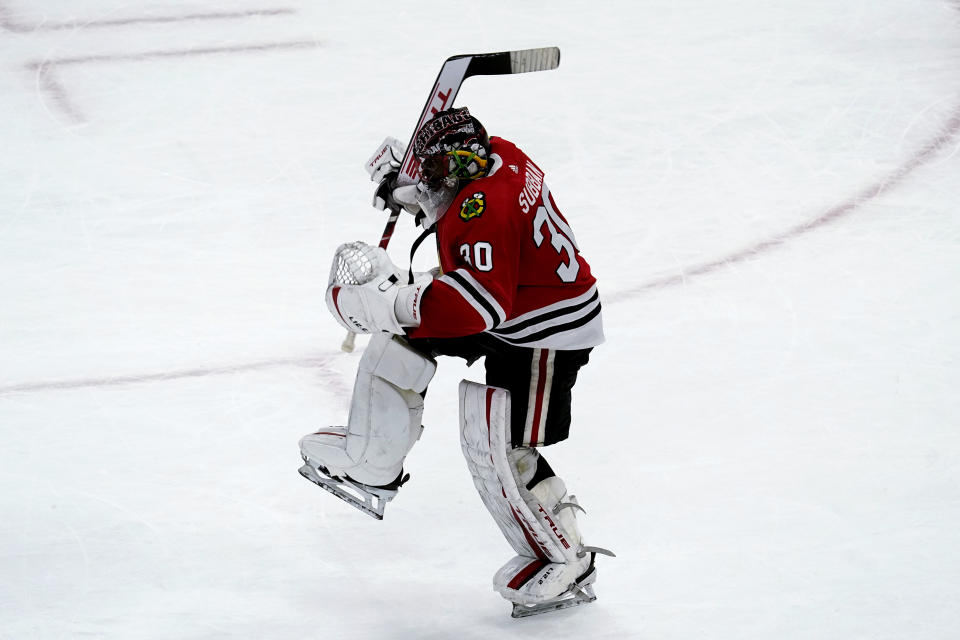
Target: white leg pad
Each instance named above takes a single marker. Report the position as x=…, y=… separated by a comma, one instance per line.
x=385, y=413
x=532, y=529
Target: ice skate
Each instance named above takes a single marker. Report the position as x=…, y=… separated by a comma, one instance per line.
x=538, y=586
x=371, y=500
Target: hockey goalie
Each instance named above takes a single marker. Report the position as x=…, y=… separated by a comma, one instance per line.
x=512, y=289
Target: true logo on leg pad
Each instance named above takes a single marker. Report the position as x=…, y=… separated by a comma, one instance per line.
x=553, y=526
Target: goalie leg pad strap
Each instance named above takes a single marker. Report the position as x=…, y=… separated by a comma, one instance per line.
x=385, y=413
x=530, y=527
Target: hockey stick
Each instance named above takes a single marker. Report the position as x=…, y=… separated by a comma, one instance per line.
x=454, y=71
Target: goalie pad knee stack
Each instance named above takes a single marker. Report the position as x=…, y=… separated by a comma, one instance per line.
x=385, y=413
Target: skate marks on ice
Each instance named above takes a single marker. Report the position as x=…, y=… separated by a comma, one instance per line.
x=47, y=72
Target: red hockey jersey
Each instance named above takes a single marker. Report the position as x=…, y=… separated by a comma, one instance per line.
x=510, y=264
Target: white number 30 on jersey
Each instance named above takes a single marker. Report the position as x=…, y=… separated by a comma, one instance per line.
x=561, y=237
x=479, y=254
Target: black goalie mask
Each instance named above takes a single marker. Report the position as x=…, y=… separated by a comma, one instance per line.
x=451, y=146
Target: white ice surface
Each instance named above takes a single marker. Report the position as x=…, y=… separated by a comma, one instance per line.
x=771, y=444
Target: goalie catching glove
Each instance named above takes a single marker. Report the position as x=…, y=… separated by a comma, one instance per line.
x=366, y=294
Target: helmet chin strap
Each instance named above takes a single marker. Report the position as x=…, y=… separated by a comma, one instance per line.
x=416, y=245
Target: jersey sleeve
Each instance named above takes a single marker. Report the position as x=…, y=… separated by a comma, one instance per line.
x=479, y=284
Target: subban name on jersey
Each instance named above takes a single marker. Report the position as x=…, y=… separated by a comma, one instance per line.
x=531, y=190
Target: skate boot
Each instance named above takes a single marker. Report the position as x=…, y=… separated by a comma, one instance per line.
x=536, y=585
x=371, y=499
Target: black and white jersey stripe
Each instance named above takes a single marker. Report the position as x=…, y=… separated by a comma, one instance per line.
x=569, y=324
x=476, y=295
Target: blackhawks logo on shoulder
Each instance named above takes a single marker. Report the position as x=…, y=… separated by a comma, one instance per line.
x=473, y=206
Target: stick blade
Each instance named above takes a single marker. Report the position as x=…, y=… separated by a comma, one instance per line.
x=508, y=62
x=543, y=59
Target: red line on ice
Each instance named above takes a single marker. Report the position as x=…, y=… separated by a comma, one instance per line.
x=49, y=84
x=926, y=153
x=10, y=24
x=182, y=53
x=946, y=136
x=318, y=362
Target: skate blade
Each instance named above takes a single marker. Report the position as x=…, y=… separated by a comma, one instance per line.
x=370, y=504
x=582, y=595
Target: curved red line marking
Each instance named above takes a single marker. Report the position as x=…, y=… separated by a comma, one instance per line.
x=926, y=153
x=886, y=184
